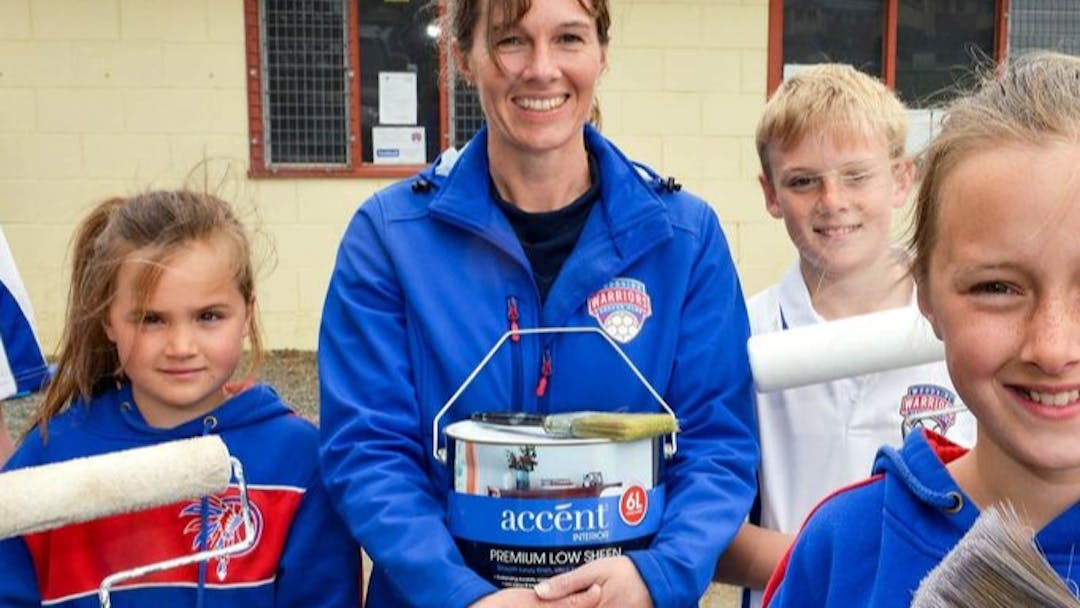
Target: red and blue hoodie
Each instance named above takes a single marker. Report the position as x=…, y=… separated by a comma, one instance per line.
x=303, y=555
x=872, y=543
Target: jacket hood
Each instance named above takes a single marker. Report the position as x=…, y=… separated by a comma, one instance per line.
x=917, y=467
x=114, y=414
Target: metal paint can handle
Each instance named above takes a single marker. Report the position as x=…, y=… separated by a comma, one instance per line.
x=436, y=435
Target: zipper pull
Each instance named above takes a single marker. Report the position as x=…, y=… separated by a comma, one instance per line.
x=512, y=316
x=545, y=373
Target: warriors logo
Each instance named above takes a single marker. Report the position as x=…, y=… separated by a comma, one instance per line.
x=224, y=526
x=921, y=405
x=621, y=307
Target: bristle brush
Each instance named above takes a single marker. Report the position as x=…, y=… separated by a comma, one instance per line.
x=996, y=564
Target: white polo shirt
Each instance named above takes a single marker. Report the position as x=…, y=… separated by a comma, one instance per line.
x=817, y=438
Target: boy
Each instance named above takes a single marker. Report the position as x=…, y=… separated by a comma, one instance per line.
x=831, y=144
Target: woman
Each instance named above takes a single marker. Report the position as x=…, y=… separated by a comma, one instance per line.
x=534, y=224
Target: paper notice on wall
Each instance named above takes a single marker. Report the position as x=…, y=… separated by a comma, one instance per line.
x=398, y=145
x=397, y=98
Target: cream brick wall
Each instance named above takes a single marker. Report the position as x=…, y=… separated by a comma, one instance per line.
x=103, y=97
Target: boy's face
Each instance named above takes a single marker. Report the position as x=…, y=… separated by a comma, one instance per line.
x=1003, y=292
x=836, y=196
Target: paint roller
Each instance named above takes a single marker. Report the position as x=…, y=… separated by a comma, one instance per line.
x=852, y=346
x=82, y=489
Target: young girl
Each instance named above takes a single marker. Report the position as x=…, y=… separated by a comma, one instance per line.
x=997, y=262
x=161, y=300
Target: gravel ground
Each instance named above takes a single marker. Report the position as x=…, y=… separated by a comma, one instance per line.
x=294, y=374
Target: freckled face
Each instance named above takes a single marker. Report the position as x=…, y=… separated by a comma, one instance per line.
x=540, y=99
x=180, y=346
x=836, y=196
x=1003, y=292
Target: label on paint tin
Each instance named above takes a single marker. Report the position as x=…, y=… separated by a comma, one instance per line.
x=525, y=509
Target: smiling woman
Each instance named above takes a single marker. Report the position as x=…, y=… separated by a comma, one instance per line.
x=538, y=222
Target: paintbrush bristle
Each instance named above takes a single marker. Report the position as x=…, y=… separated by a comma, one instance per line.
x=995, y=564
x=617, y=426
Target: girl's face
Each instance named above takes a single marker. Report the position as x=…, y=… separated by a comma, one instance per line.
x=836, y=196
x=540, y=99
x=183, y=344
x=1003, y=293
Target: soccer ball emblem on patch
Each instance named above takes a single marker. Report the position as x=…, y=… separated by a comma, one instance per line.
x=928, y=405
x=621, y=307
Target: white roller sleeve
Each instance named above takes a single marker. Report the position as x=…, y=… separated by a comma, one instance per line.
x=853, y=346
x=52, y=495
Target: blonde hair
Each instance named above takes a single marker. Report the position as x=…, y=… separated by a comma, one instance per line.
x=156, y=224
x=834, y=98
x=1034, y=100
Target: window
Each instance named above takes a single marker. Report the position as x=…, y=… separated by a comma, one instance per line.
x=318, y=71
x=919, y=47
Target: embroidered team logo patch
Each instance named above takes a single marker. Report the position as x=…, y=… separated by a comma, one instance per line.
x=921, y=405
x=224, y=526
x=621, y=307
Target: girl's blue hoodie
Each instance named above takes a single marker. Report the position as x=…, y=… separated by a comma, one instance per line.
x=872, y=543
x=303, y=554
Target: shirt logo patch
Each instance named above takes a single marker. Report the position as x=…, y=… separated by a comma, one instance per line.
x=224, y=526
x=621, y=307
x=920, y=406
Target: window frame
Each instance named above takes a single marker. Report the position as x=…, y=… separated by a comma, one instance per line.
x=356, y=167
x=775, y=51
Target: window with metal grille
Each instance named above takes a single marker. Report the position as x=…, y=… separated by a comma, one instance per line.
x=318, y=71
x=922, y=48
x=1044, y=24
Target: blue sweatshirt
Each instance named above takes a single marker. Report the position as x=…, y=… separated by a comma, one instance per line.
x=430, y=274
x=871, y=544
x=303, y=556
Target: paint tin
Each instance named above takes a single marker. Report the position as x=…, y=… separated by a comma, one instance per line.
x=526, y=506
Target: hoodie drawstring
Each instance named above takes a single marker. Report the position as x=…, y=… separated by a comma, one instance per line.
x=209, y=424
x=949, y=502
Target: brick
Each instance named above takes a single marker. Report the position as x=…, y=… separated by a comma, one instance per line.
x=168, y=110
x=204, y=65
x=225, y=21
x=19, y=110
x=332, y=201
x=731, y=113
x=276, y=200
x=15, y=20
x=632, y=69
x=644, y=149
x=765, y=243
x=76, y=20
x=45, y=156
x=117, y=64
x=702, y=70
x=755, y=71
x=72, y=110
x=735, y=27
x=164, y=20
x=662, y=114
x=51, y=201
x=702, y=157
x=35, y=64
x=313, y=282
x=230, y=115
x=278, y=290
x=120, y=155
x=661, y=24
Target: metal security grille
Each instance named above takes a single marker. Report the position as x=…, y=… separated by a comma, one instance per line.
x=305, y=82
x=1044, y=24
x=466, y=117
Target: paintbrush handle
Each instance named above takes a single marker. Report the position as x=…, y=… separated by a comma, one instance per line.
x=508, y=418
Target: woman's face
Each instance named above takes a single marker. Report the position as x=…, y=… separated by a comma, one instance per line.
x=1003, y=292
x=537, y=85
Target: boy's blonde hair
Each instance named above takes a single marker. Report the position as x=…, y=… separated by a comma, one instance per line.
x=831, y=98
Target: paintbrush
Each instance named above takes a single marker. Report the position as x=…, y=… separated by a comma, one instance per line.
x=995, y=564
x=617, y=426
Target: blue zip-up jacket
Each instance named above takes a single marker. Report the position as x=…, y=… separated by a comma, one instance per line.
x=430, y=274
x=871, y=544
x=303, y=555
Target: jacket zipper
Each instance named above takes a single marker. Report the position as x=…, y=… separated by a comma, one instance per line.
x=512, y=315
x=545, y=375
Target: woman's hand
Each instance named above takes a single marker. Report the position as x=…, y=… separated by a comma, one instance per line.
x=617, y=577
x=589, y=597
